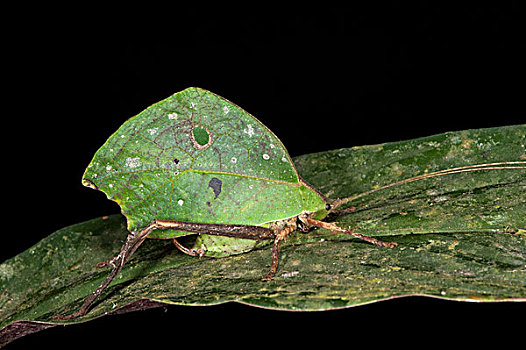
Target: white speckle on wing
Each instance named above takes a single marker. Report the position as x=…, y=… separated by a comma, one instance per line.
x=283, y=159
x=108, y=168
x=153, y=131
x=249, y=130
x=172, y=116
x=226, y=110
x=180, y=202
x=192, y=105
x=133, y=162
x=266, y=156
x=110, y=185
x=233, y=160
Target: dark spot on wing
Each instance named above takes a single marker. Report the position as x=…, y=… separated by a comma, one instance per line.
x=176, y=161
x=208, y=203
x=215, y=184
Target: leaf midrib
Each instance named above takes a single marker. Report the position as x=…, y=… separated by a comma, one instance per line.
x=218, y=172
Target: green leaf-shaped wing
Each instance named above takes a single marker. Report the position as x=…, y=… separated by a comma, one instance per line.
x=197, y=157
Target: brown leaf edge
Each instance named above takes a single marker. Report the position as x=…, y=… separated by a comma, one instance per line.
x=22, y=328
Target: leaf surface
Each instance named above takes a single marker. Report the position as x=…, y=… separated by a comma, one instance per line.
x=461, y=236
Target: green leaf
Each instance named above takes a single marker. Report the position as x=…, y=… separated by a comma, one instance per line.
x=461, y=236
x=482, y=201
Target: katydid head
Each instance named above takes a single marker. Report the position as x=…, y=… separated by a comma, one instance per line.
x=321, y=213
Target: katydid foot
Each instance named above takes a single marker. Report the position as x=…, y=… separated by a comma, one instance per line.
x=192, y=252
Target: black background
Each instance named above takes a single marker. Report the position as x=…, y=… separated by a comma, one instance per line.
x=319, y=78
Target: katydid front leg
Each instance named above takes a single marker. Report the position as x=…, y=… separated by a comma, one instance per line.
x=335, y=228
x=281, y=235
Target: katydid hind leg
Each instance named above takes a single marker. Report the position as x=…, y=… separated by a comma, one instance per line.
x=110, y=262
x=133, y=241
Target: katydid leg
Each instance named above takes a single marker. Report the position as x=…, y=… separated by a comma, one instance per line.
x=133, y=241
x=335, y=228
x=280, y=236
x=192, y=252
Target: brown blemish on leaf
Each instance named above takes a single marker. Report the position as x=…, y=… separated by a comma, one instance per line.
x=215, y=184
x=467, y=143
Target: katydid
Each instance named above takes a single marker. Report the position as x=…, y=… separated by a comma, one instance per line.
x=197, y=164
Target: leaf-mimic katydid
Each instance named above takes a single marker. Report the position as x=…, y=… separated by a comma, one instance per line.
x=197, y=164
